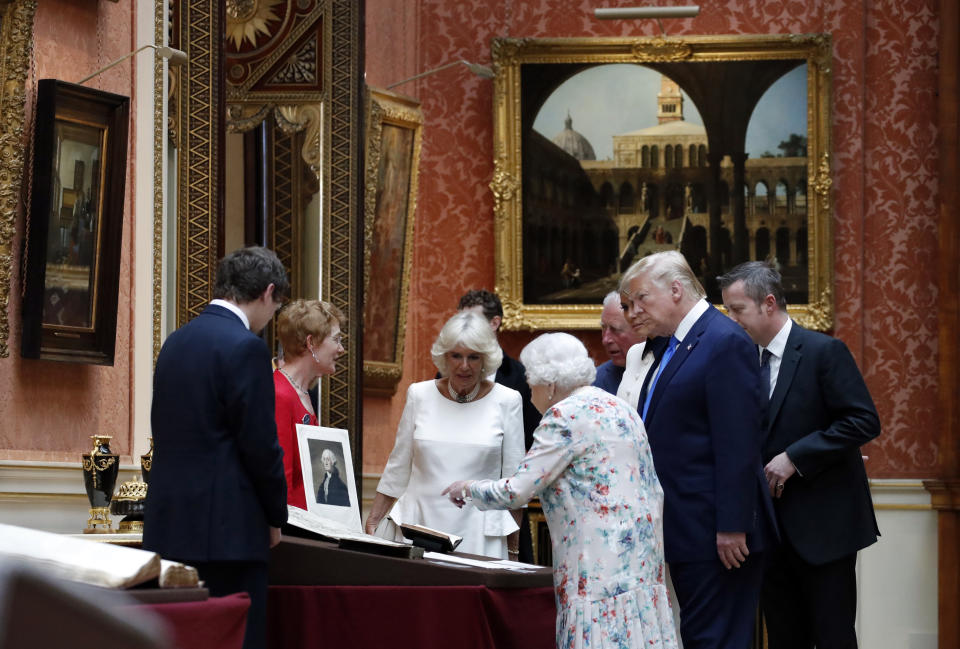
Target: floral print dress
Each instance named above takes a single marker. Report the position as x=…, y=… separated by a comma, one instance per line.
x=591, y=466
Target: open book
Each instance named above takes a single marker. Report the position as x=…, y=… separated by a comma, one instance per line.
x=430, y=539
x=346, y=538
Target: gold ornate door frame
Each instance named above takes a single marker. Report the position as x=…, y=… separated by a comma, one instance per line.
x=16, y=45
x=198, y=107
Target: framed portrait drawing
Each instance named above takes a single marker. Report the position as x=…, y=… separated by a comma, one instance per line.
x=74, y=224
x=392, y=156
x=328, y=477
x=607, y=150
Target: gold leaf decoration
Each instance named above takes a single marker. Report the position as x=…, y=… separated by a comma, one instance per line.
x=823, y=182
x=819, y=314
x=246, y=19
x=660, y=49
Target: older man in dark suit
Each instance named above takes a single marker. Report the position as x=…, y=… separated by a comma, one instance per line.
x=217, y=494
x=702, y=409
x=820, y=414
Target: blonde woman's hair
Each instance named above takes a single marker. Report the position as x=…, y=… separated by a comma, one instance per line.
x=302, y=318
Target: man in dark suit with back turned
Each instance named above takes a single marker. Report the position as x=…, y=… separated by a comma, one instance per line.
x=217, y=494
x=702, y=409
x=820, y=414
x=512, y=375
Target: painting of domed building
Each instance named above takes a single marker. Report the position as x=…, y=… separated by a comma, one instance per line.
x=587, y=219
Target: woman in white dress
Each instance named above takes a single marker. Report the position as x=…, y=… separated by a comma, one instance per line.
x=459, y=425
x=591, y=466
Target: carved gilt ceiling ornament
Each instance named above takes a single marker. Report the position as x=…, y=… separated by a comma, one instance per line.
x=247, y=20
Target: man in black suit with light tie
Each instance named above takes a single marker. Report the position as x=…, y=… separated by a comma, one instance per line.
x=217, y=494
x=820, y=414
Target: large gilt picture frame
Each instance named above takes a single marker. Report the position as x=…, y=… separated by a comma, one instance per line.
x=606, y=150
x=394, y=124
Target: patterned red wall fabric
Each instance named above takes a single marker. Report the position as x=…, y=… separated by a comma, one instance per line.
x=885, y=181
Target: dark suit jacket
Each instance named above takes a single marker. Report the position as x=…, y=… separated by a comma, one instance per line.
x=513, y=375
x=337, y=493
x=821, y=414
x=608, y=377
x=704, y=430
x=217, y=480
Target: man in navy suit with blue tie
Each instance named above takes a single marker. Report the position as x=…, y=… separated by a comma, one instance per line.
x=218, y=495
x=702, y=409
x=820, y=414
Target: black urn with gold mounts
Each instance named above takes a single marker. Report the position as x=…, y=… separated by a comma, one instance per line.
x=100, y=469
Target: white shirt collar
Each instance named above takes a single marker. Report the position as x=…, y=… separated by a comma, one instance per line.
x=635, y=354
x=697, y=310
x=779, y=342
x=233, y=308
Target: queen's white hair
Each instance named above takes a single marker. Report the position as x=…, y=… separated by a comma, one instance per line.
x=472, y=331
x=558, y=358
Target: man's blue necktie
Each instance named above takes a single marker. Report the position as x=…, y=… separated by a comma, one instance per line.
x=667, y=355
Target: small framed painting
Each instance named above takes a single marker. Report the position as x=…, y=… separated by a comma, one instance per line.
x=74, y=224
x=328, y=477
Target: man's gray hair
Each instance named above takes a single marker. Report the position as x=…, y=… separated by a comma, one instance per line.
x=472, y=331
x=664, y=268
x=759, y=278
x=558, y=358
x=613, y=297
x=327, y=453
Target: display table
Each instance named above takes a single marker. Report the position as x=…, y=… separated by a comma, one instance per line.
x=321, y=595
x=425, y=617
x=213, y=623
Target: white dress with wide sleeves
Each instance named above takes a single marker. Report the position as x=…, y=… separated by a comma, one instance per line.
x=440, y=441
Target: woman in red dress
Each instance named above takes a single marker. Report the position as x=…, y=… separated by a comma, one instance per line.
x=309, y=335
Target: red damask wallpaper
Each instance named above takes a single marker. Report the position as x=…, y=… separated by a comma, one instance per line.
x=50, y=409
x=885, y=180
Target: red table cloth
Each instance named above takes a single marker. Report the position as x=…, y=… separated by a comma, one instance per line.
x=214, y=623
x=425, y=617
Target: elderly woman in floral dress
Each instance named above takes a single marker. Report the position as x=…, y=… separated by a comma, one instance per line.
x=591, y=467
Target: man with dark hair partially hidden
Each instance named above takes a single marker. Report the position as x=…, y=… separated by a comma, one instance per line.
x=217, y=494
x=819, y=415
